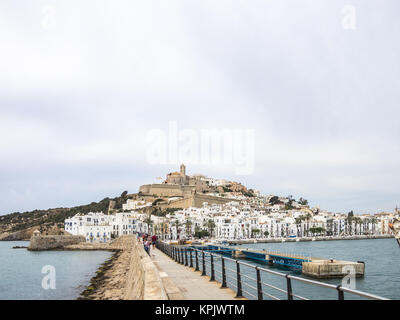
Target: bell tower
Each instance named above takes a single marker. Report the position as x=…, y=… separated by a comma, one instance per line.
x=183, y=170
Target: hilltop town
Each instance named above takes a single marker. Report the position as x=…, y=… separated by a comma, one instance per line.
x=187, y=207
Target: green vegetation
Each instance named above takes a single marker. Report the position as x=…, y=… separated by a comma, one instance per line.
x=274, y=200
x=201, y=234
x=211, y=226
x=254, y=232
x=317, y=230
x=289, y=205
x=248, y=194
x=171, y=210
x=157, y=201
x=303, y=202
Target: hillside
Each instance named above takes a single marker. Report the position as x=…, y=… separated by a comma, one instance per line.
x=19, y=226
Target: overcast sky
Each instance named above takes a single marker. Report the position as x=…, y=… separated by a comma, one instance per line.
x=83, y=82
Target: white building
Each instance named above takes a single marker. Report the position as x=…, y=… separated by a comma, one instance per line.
x=98, y=227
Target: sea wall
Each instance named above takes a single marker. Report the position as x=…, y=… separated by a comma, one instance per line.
x=143, y=280
x=129, y=275
x=335, y=269
x=53, y=242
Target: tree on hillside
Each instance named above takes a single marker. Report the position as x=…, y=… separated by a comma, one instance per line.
x=274, y=200
x=303, y=202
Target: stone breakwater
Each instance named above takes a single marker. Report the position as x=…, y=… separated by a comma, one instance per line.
x=129, y=274
x=53, y=242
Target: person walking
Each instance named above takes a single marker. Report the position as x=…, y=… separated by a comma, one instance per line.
x=147, y=244
x=154, y=240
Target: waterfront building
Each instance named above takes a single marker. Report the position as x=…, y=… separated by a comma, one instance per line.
x=98, y=227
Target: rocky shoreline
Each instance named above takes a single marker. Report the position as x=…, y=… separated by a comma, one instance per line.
x=98, y=282
x=129, y=274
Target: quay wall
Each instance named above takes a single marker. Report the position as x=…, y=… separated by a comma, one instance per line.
x=339, y=269
x=143, y=279
x=277, y=240
x=53, y=242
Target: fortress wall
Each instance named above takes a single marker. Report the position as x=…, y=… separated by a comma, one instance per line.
x=145, y=188
x=180, y=203
x=199, y=199
x=53, y=242
x=195, y=200
x=163, y=190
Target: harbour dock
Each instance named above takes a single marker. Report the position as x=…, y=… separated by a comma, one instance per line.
x=310, y=266
x=257, y=282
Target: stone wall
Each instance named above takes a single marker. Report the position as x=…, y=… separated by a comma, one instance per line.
x=163, y=190
x=143, y=280
x=195, y=200
x=53, y=242
x=131, y=275
x=335, y=269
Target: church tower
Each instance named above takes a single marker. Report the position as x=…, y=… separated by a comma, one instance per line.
x=183, y=170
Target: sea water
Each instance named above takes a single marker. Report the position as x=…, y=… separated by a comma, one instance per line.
x=26, y=274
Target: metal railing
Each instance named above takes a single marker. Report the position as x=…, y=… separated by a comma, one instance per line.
x=211, y=264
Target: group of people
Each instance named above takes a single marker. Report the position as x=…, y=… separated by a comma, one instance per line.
x=148, y=241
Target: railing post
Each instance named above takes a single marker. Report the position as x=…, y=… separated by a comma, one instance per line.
x=197, y=262
x=186, y=258
x=289, y=288
x=204, y=266
x=212, y=268
x=239, y=293
x=191, y=258
x=340, y=293
x=223, y=273
x=259, y=285
x=182, y=262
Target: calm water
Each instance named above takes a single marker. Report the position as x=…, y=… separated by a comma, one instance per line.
x=21, y=272
x=382, y=267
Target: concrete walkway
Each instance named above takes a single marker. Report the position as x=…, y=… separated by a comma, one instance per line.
x=183, y=283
